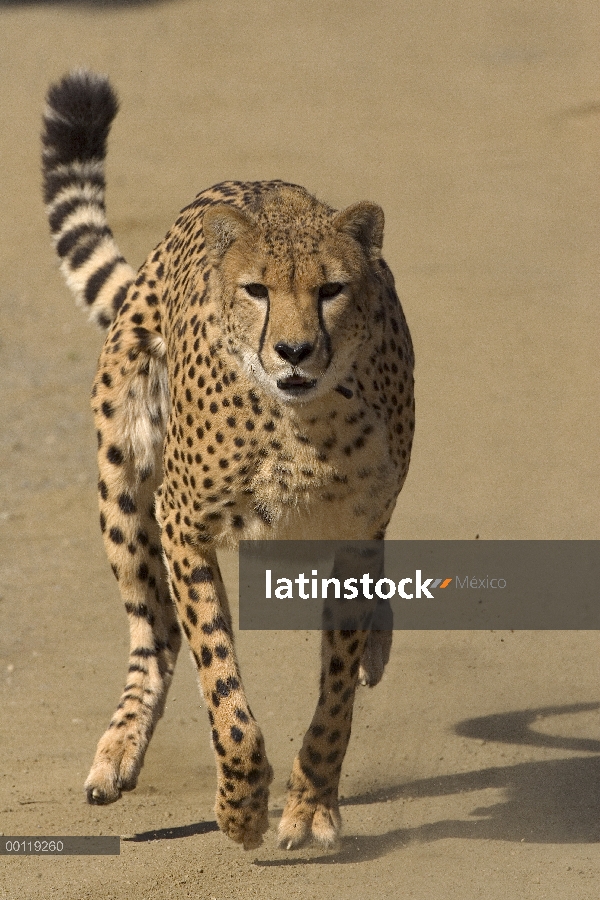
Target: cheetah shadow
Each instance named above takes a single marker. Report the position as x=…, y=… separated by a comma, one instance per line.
x=554, y=801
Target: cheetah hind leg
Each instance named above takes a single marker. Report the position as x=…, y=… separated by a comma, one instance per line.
x=155, y=639
x=312, y=809
x=128, y=411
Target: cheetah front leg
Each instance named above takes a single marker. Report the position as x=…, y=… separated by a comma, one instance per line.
x=243, y=771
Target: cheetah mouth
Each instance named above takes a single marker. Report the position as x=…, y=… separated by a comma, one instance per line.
x=296, y=385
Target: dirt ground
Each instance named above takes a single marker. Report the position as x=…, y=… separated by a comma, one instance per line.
x=473, y=771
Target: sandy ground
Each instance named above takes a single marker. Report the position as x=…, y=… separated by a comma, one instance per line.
x=473, y=770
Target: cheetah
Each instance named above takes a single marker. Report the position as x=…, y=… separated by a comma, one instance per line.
x=256, y=382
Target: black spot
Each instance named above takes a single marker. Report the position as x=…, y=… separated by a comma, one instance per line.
x=206, y=656
x=217, y=624
x=191, y=614
x=336, y=665
x=222, y=689
x=317, y=781
x=126, y=504
x=116, y=535
x=202, y=574
x=114, y=455
x=237, y=734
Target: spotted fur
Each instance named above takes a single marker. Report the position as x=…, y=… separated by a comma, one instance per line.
x=256, y=382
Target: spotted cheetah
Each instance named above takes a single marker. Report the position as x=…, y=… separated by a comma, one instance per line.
x=256, y=383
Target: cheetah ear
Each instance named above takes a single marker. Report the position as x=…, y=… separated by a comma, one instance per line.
x=223, y=225
x=364, y=222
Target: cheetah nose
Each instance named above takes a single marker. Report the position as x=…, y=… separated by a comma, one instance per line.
x=293, y=353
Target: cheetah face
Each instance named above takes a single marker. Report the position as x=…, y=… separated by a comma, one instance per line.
x=294, y=298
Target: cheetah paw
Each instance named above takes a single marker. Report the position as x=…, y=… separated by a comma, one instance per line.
x=243, y=814
x=110, y=775
x=107, y=787
x=246, y=822
x=301, y=822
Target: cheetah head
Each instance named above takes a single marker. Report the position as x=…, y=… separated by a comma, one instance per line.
x=294, y=284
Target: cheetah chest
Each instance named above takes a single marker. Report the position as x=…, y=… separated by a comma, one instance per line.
x=261, y=470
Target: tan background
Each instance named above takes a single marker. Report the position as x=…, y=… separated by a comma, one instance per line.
x=473, y=770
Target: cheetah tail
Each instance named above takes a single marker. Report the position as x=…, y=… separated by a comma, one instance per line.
x=77, y=120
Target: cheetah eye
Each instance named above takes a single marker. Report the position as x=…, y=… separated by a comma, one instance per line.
x=258, y=291
x=330, y=290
